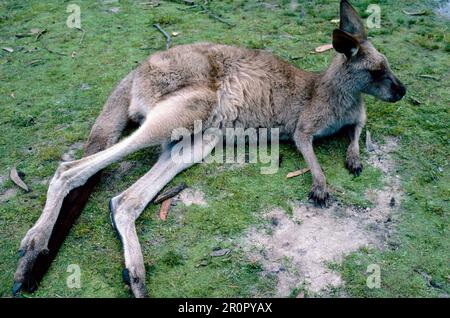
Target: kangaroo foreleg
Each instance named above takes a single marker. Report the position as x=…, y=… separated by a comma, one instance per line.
x=304, y=143
x=353, y=161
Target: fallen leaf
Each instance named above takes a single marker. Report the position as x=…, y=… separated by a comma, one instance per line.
x=414, y=13
x=8, y=49
x=323, y=48
x=175, y=33
x=165, y=207
x=14, y=175
x=221, y=252
x=415, y=101
x=297, y=173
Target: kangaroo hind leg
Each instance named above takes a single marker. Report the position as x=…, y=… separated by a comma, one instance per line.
x=42, y=242
x=126, y=207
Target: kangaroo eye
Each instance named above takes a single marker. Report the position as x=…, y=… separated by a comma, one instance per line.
x=377, y=74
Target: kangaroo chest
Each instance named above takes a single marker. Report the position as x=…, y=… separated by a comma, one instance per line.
x=338, y=121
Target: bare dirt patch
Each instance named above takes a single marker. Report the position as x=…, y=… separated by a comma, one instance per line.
x=8, y=194
x=2, y=180
x=444, y=9
x=70, y=154
x=299, y=248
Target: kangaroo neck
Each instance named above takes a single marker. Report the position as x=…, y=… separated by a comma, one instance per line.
x=337, y=85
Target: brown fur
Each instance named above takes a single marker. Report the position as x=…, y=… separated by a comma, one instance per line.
x=223, y=86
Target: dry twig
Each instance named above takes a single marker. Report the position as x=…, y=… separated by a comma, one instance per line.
x=82, y=35
x=297, y=173
x=429, y=77
x=38, y=35
x=167, y=35
x=169, y=193
x=204, y=9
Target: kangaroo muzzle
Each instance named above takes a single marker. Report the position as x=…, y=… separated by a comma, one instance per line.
x=398, y=90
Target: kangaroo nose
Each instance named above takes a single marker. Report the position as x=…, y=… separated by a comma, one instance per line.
x=399, y=90
x=402, y=90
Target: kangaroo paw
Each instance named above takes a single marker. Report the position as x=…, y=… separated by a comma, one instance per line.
x=135, y=283
x=32, y=248
x=354, y=166
x=319, y=196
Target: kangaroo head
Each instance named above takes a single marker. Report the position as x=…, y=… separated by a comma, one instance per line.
x=368, y=69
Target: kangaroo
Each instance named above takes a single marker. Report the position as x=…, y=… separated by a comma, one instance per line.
x=223, y=86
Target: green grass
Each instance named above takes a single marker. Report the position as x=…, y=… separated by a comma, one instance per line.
x=43, y=111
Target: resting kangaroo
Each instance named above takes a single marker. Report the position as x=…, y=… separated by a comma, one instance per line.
x=223, y=86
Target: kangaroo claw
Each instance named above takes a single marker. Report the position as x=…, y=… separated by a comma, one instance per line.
x=319, y=197
x=354, y=167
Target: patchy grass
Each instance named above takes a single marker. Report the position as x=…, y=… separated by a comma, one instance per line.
x=44, y=110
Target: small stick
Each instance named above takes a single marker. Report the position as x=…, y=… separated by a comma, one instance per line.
x=34, y=62
x=55, y=52
x=168, y=38
x=204, y=9
x=214, y=16
x=165, y=207
x=23, y=35
x=169, y=193
x=297, y=173
x=39, y=34
x=82, y=35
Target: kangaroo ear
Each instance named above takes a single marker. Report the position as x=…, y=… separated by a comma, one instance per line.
x=350, y=20
x=345, y=43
